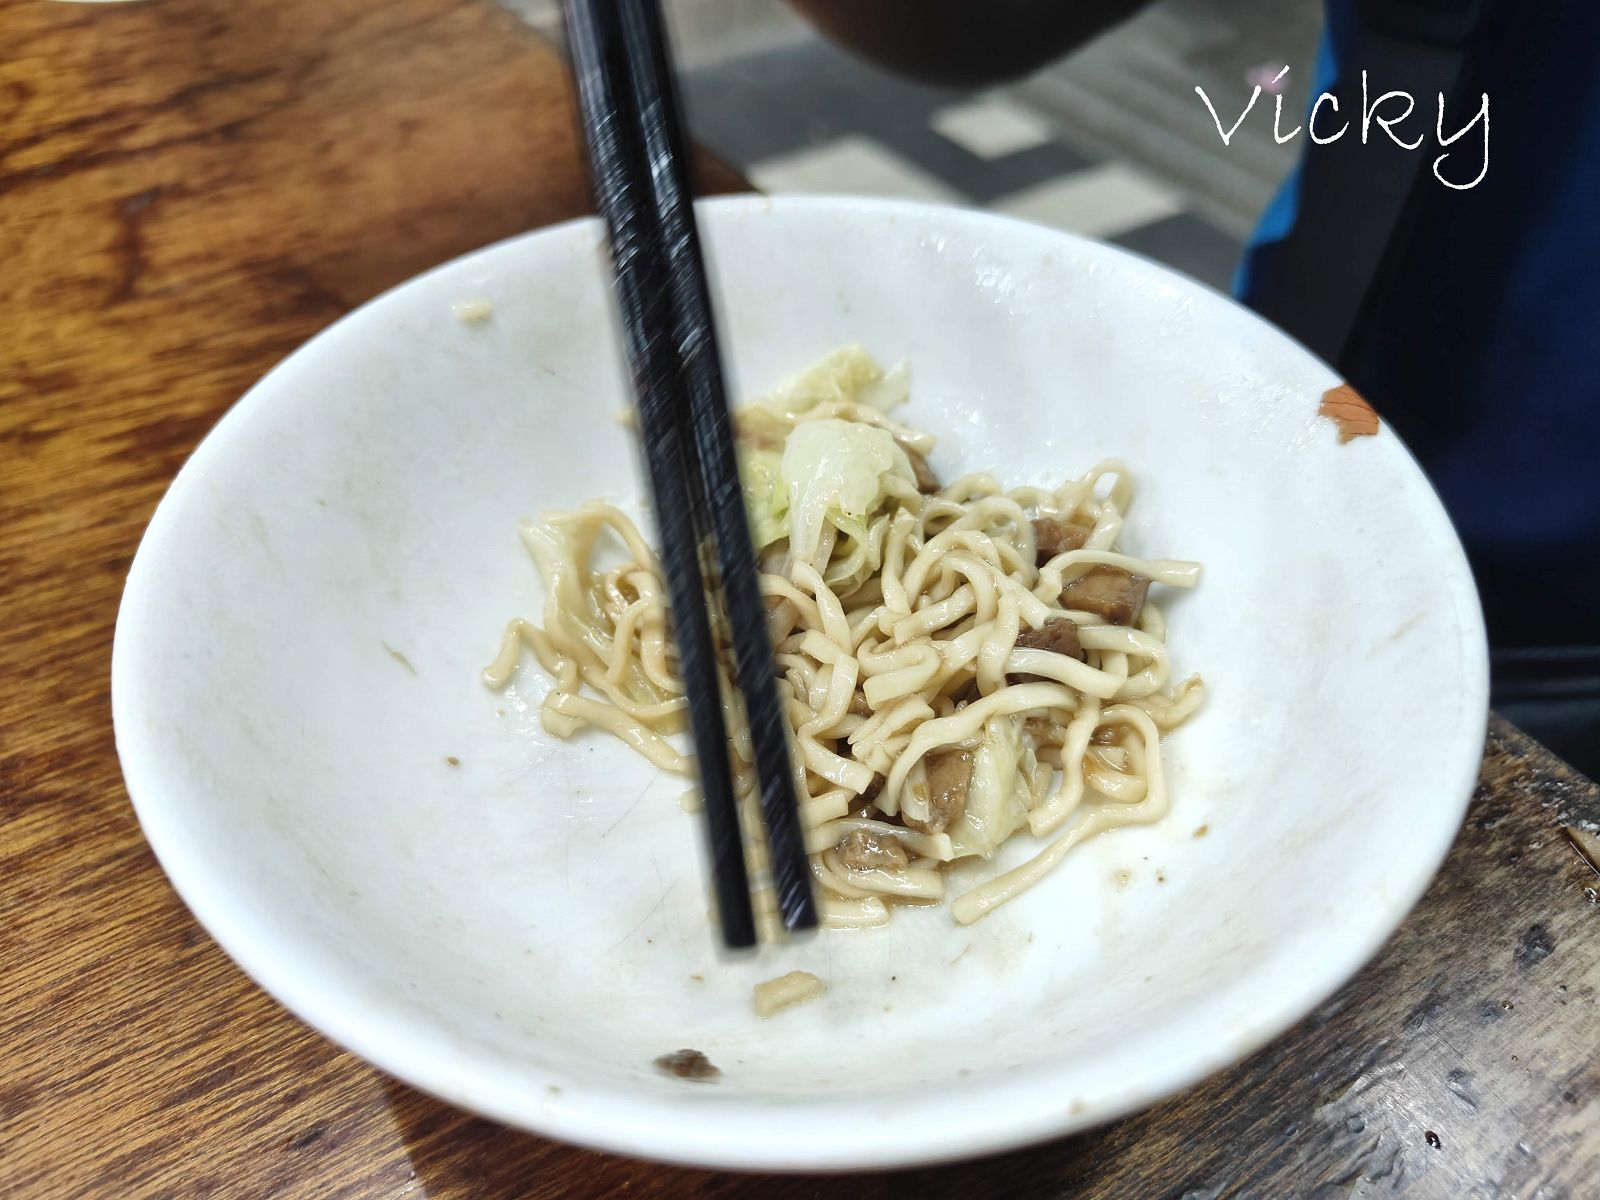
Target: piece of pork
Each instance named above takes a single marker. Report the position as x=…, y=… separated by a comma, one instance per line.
x=1058, y=635
x=949, y=774
x=927, y=481
x=866, y=850
x=1110, y=593
x=1052, y=537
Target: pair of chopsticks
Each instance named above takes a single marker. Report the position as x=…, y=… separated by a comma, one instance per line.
x=640, y=175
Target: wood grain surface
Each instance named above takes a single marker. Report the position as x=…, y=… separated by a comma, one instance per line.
x=189, y=189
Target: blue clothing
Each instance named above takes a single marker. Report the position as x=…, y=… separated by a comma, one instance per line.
x=1489, y=363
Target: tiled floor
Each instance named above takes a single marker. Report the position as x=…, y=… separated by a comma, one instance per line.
x=1130, y=95
x=1111, y=142
x=1107, y=200
x=806, y=117
x=993, y=126
x=853, y=164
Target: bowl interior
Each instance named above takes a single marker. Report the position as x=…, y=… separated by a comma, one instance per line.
x=297, y=662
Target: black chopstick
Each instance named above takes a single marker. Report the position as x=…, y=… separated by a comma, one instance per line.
x=635, y=149
x=617, y=165
x=656, y=104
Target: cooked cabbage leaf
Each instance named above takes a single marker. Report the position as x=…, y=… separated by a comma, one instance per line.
x=833, y=472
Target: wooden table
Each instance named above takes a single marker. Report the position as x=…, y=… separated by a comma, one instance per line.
x=190, y=188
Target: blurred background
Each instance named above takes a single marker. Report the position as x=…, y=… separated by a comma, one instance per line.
x=1110, y=141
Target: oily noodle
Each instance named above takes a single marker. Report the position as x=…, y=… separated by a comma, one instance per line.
x=890, y=648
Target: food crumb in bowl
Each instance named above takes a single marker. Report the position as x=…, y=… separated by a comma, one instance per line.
x=687, y=1064
x=1161, y=876
x=399, y=658
x=786, y=991
x=1202, y=831
x=452, y=760
x=1347, y=409
x=472, y=311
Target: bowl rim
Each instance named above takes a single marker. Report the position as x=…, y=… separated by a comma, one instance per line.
x=997, y=1112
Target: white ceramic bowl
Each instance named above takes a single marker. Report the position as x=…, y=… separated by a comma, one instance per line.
x=298, y=649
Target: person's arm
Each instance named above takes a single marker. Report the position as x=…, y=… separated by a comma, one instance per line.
x=963, y=43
